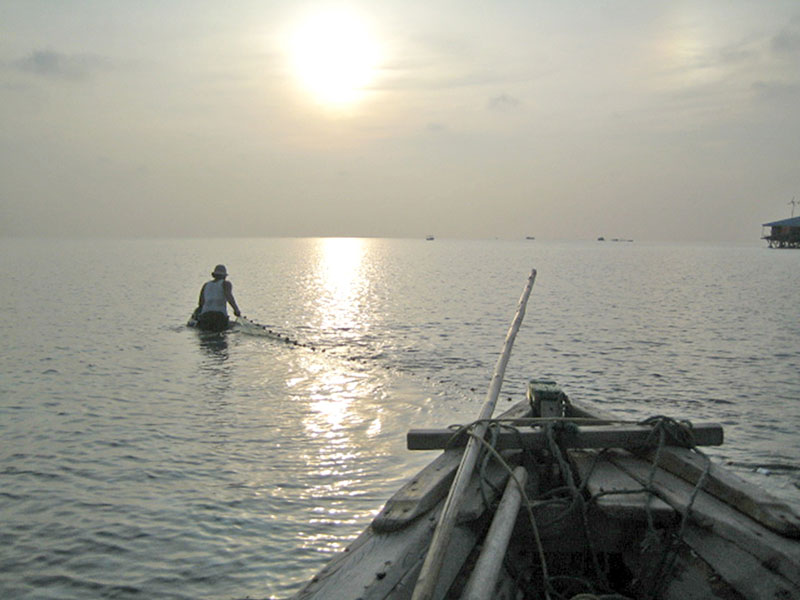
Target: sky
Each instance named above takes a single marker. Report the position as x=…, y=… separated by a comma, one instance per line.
x=660, y=120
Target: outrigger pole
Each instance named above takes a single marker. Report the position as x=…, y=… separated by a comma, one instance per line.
x=429, y=575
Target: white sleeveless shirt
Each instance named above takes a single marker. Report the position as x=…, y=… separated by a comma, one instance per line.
x=214, y=297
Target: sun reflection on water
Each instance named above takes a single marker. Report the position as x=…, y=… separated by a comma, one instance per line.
x=336, y=420
x=340, y=420
x=342, y=283
x=333, y=406
x=343, y=401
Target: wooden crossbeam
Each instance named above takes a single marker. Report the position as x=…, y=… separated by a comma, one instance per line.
x=628, y=437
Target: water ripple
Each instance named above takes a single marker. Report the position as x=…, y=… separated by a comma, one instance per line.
x=145, y=461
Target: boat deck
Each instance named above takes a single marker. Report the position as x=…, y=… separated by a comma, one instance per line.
x=684, y=528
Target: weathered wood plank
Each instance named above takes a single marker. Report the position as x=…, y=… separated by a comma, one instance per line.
x=773, y=551
x=618, y=494
x=722, y=483
x=587, y=436
x=746, y=497
x=745, y=573
x=692, y=578
x=421, y=493
x=430, y=485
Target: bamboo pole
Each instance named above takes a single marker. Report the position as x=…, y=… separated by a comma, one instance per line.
x=487, y=570
x=428, y=576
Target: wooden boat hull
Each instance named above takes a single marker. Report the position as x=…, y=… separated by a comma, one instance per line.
x=553, y=500
x=729, y=539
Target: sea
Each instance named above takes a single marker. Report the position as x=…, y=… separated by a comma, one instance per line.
x=140, y=458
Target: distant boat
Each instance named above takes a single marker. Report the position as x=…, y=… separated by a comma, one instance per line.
x=430, y=238
x=602, y=239
x=529, y=237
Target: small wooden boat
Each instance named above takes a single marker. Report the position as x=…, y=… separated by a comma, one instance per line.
x=556, y=500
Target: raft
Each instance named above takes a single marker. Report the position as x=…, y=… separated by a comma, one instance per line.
x=555, y=499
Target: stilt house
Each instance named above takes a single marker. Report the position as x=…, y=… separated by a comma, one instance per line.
x=783, y=234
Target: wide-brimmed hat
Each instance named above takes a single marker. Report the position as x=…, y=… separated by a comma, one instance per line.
x=220, y=270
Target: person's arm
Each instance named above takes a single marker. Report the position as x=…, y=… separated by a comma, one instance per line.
x=200, y=300
x=196, y=313
x=228, y=287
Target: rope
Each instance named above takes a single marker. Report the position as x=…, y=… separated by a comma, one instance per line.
x=491, y=450
x=681, y=432
x=551, y=432
x=574, y=493
x=572, y=497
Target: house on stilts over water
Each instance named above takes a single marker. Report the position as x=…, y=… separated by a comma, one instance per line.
x=783, y=234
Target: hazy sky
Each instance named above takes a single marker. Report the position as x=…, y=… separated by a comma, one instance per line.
x=651, y=120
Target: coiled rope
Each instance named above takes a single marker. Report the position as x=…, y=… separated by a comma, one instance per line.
x=664, y=429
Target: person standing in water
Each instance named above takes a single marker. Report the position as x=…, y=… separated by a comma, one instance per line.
x=215, y=295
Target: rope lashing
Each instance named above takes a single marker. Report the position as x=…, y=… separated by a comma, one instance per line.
x=679, y=432
x=571, y=496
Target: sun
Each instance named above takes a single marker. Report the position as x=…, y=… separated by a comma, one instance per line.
x=334, y=56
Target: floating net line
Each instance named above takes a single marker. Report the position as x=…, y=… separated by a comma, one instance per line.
x=250, y=327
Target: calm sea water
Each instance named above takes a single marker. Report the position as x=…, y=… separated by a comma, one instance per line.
x=140, y=459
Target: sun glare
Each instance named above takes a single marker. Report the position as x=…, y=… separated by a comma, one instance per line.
x=341, y=277
x=334, y=57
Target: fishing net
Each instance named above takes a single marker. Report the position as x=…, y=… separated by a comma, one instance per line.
x=250, y=327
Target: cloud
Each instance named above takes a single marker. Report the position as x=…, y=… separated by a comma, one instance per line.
x=504, y=103
x=48, y=63
x=776, y=90
x=741, y=53
x=788, y=40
